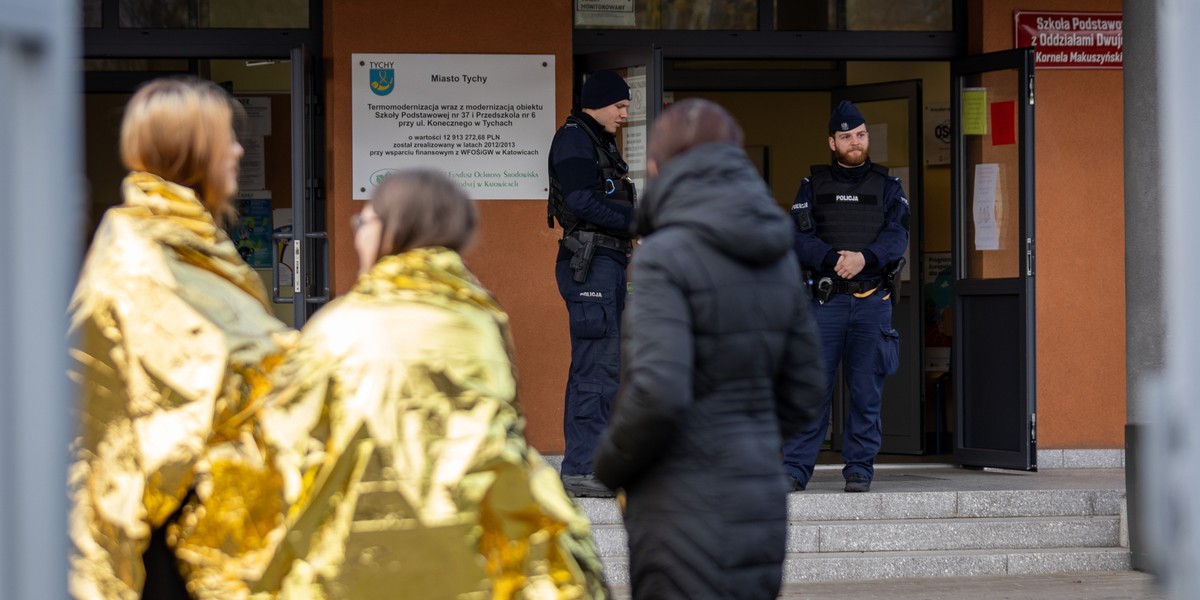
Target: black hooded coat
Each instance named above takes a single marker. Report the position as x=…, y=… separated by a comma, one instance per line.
x=720, y=361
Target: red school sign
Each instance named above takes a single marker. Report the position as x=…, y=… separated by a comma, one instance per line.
x=1071, y=40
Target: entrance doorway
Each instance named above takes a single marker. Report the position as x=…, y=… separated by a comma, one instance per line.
x=262, y=54
x=275, y=185
x=785, y=133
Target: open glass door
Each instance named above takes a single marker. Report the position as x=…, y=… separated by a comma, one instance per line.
x=642, y=70
x=993, y=260
x=301, y=269
x=894, y=114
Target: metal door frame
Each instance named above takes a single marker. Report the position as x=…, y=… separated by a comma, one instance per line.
x=309, y=209
x=1025, y=456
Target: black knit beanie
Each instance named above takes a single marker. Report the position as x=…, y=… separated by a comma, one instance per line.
x=603, y=88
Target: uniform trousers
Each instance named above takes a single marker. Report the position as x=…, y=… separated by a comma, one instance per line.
x=594, y=308
x=857, y=334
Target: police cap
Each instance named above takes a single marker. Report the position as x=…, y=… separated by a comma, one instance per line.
x=845, y=117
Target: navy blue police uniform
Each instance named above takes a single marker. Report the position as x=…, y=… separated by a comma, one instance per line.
x=593, y=201
x=860, y=209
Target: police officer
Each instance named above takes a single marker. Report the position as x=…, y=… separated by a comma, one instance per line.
x=851, y=222
x=593, y=201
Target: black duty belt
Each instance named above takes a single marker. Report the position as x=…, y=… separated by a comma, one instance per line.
x=624, y=245
x=844, y=286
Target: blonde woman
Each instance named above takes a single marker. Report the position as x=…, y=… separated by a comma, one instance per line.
x=399, y=434
x=173, y=340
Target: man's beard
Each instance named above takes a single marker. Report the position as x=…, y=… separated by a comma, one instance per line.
x=845, y=160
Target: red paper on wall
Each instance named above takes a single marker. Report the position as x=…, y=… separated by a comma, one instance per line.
x=1004, y=123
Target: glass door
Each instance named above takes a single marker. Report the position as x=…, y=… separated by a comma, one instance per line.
x=993, y=260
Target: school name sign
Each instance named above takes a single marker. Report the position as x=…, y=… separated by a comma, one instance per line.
x=486, y=120
x=1072, y=40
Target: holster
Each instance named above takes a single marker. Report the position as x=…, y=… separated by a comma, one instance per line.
x=582, y=247
x=892, y=279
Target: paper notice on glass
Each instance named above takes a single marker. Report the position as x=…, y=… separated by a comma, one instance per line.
x=633, y=147
x=987, y=180
x=636, y=79
x=258, y=114
x=879, y=142
x=252, y=171
x=974, y=111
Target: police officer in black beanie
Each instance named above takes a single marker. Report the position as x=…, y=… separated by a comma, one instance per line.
x=592, y=199
x=851, y=222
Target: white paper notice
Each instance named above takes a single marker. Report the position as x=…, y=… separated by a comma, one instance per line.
x=937, y=134
x=987, y=180
x=258, y=114
x=486, y=120
x=252, y=171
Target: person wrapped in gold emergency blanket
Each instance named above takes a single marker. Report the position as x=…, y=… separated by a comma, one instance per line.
x=172, y=345
x=398, y=433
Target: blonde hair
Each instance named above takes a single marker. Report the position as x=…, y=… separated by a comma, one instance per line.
x=181, y=129
x=419, y=208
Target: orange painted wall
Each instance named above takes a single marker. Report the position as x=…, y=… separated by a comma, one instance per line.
x=514, y=253
x=1080, y=230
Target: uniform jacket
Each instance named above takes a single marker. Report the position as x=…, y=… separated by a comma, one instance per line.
x=720, y=360
x=172, y=342
x=889, y=244
x=574, y=165
x=406, y=469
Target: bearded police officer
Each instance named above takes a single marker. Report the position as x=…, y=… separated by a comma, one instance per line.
x=593, y=201
x=851, y=232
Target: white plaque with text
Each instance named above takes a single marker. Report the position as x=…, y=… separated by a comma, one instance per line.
x=486, y=120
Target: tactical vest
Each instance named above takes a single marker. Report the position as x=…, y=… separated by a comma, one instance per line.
x=612, y=181
x=849, y=215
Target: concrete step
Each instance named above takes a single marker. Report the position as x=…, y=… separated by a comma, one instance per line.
x=954, y=504
x=844, y=566
x=922, y=505
x=834, y=536
x=923, y=535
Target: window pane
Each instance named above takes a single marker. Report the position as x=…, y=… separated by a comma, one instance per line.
x=709, y=15
x=864, y=15
x=125, y=65
x=92, y=15
x=806, y=15
x=154, y=14
x=888, y=15
x=214, y=14
x=260, y=14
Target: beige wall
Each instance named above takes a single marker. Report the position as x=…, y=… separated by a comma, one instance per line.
x=1080, y=238
x=935, y=89
x=514, y=253
x=791, y=125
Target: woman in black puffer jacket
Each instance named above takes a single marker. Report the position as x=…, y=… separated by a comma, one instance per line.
x=720, y=363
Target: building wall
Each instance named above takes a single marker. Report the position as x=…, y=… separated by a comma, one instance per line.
x=1080, y=225
x=1080, y=236
x=514, y=253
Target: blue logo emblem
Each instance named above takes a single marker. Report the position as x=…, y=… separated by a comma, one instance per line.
x=383, y=81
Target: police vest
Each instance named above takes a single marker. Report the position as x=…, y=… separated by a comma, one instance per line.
x=848, y=214
x=612, y=181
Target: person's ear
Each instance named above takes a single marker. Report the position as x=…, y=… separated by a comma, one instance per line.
x=832, y=144
x=652, y=167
